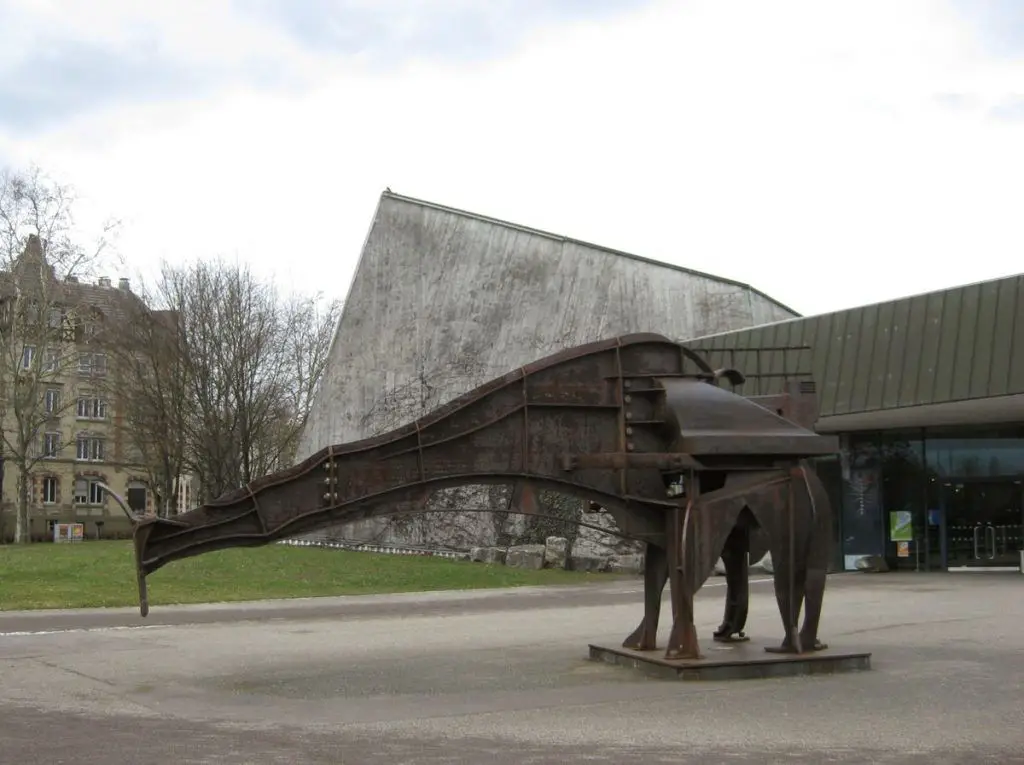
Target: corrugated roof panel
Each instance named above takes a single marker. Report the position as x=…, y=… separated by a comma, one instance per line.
x=821, y=353
x=1015, y=381
x=967, y=343
x=879, y=358
x=866, y=343
x=984, y=340
x=954, y=344
x=833, y=390
x=913, y=357
x=801, y=359
x=892, y=383
x=949, y=339
x=772, y=362
x=1002, y=337
x=930, y=350
x=850, y=325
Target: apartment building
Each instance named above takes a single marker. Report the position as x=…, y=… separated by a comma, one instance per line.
x=68, y=381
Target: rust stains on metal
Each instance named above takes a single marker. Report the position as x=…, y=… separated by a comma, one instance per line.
x=690, y=467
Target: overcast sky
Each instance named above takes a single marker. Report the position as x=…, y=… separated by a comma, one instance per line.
x=828, y=152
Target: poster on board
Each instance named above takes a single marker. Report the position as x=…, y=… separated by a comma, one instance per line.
x=68, y=532
x=901, y=526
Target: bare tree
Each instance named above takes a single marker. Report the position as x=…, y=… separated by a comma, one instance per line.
x=46, y=322
x=308, y=324
x=231, y=390
x=150, y=386
x=229, y=323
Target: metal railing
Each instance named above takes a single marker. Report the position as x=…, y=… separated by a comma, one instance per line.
x=356, y=546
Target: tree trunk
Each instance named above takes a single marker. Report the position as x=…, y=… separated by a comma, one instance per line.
x=21, y=527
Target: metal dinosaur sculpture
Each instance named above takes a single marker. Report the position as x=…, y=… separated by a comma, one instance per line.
x=637, y=424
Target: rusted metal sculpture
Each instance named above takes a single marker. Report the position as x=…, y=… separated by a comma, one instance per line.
x=682, y=463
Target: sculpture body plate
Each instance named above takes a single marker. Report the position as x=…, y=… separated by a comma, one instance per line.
x=639, y=425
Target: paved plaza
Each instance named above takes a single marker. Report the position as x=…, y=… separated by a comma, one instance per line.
x=501, y=677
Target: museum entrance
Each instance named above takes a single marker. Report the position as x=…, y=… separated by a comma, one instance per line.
x=984, y=523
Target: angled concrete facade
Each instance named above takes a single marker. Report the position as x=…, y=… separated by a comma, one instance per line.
x=443, y=300
x=454, y=299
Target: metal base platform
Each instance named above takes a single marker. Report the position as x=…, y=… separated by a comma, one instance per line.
x=733, y=661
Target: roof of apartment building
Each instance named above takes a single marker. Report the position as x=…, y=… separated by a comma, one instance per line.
x=100, y=295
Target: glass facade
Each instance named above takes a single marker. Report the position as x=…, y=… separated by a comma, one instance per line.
x=930, y=499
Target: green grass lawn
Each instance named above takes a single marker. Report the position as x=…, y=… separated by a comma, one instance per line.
x=92, y=574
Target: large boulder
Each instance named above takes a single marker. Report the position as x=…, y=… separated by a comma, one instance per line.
x=556, y=552
x=627, y=564
x=525, y=556
x=591, y=563
x=487, y=555
x=598, y=539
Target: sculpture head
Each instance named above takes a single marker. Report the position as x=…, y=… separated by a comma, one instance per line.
x=132, y=516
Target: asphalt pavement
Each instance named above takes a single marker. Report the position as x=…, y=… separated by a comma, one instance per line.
x=502, y=677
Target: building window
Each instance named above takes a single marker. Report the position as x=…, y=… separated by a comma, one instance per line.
x=88, y=492
x=92, y=408
x=28, y=355
x=52, y=400
x=50, y=490
x=90, y=449
x=51, y=445
x=975, y=453
x=52, y=360
x=92, y=363
x=137, y=498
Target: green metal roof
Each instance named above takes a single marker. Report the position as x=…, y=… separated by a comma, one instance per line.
x=951, y=345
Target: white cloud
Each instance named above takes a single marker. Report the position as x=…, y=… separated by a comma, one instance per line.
x=203, y=30
x=804, y=147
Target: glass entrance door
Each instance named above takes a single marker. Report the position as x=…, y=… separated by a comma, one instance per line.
x=984, y=523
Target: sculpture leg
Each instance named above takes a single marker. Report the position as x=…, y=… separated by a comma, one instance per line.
x=645, y=636
x=682, y=641
x=789, y=559
x=737, y=586
x=789, y=594
x=818, y=555
x=813, y=598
